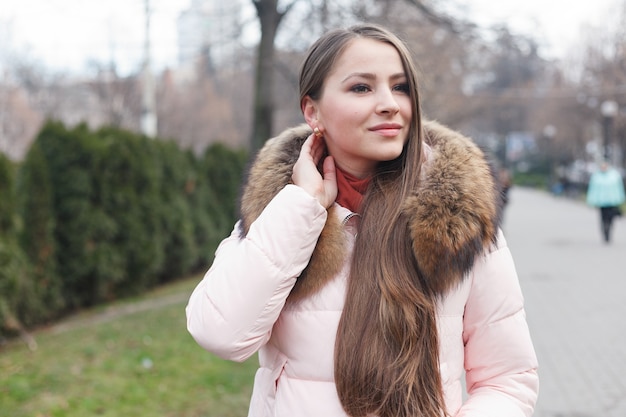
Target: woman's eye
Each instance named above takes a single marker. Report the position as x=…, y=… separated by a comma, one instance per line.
x=360, y=88
x=403, y=88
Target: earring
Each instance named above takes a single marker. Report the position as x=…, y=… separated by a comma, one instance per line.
x=317, y=132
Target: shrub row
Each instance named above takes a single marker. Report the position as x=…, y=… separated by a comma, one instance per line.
x=91, y=216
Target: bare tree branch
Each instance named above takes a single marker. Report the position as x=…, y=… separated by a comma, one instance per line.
x=436, y=18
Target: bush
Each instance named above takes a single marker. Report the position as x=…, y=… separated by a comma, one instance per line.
x=37, y=232
x=108, y=214
x=79, y=227
x=180, y=248
x=7, y=202
x=18, y=306
x=213, y=195
x=224, y=169
x=128, y=181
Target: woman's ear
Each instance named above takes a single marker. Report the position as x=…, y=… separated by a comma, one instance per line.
x=309, y=110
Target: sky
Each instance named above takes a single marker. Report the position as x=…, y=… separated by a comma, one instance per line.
x=558, y=23
x=64, y=35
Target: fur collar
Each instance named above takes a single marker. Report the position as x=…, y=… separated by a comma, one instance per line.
x=454, y=213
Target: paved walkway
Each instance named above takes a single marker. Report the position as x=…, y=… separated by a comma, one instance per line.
x=575, y=291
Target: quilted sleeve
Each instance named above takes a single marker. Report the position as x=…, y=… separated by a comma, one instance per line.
x=232, y=310
x=500, y=360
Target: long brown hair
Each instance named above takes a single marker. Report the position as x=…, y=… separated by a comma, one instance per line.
x=387, y=350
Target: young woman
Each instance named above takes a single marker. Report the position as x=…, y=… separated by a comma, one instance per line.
x=368, y=270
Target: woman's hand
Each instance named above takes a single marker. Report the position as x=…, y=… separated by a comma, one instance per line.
x=306, y=175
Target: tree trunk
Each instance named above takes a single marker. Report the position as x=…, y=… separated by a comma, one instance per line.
x=270, y=18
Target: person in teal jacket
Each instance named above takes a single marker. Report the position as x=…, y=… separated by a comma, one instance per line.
x=606, y=192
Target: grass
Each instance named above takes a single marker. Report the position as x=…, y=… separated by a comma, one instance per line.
x=133, y=358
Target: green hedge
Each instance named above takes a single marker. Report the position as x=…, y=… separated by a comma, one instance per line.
x=20, y=301
x=91, y=216
x=37, y=233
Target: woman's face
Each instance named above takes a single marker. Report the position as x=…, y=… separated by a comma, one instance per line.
x=364, y=110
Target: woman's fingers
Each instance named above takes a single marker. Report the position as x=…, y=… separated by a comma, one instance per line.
x=318, y=147
x=330, y=180
x=322, y=186
x=307, y=146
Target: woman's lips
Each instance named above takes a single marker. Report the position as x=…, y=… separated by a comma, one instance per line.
x=388, y=130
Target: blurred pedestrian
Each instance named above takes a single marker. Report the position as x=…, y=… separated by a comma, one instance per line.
x=606, y=192
x=504, y=176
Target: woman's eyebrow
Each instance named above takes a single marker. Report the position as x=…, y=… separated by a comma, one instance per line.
x=366, y=75
x=370, y=76
x=398, y=75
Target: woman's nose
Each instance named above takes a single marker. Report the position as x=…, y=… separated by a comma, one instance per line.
x=387, y=103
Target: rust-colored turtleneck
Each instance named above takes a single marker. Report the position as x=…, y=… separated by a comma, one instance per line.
x=350, y=190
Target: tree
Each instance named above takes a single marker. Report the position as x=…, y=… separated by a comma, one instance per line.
x=513, y=71
x=195, y=113
x=19, y=121
x=19, y=306
x=603, y=75
x=37, y=232
x=119, y=98
x=269, y=17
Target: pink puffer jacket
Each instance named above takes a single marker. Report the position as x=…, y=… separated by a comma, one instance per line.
x=237, y=310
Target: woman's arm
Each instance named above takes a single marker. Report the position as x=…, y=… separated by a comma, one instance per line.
x=500, y=360
x=232, y=311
